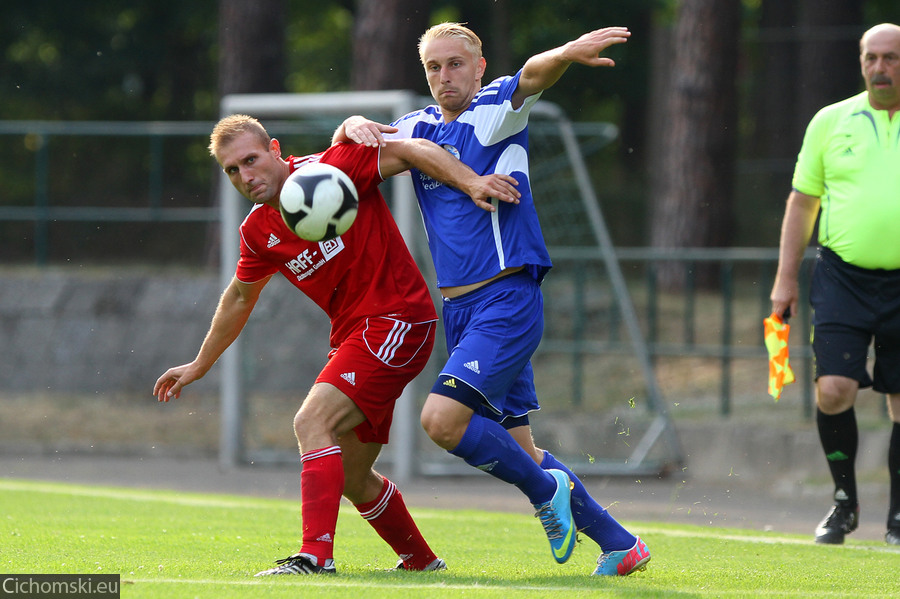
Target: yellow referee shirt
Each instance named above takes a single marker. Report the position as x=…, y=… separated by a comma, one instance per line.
x=850, y=159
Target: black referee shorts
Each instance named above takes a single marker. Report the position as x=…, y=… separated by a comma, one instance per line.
x=851, y=307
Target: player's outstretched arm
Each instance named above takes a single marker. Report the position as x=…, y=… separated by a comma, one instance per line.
x=231, y=315
x=360, y=130
x=543, y=70
x=401, y=154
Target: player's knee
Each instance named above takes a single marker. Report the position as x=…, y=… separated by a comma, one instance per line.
x=893, y=406
x=444, y=431
x=304, y=426
x=835, y=394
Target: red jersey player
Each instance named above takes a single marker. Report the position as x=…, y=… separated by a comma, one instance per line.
x=382, y=326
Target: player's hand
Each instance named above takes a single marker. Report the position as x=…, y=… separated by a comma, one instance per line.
x=785, y=296
x=170, y=384
x=502, y=187
x=368, y=133
x=587, y=48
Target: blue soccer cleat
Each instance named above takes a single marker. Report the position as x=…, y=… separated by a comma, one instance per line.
x=623, y=563
x=556, y=517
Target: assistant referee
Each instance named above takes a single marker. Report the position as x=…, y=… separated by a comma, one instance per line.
x=848, y=175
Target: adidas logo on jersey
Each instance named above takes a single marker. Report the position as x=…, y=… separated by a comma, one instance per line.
x=350, y=377
x=273, y=241
x=473, y=366
x=450, y=383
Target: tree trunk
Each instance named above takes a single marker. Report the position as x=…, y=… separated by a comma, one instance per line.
x=251, y=60
x=251, y=46
x=829, y=55
x=385, y=44
x=694, y=180
x=775, y=99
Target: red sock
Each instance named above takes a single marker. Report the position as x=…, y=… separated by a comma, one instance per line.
x=392, y=521
x=321, y=487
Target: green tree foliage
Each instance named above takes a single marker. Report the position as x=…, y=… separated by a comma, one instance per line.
x=146, y=59
x=319, y=48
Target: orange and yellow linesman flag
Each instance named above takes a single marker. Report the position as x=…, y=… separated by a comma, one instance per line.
x=780, y=373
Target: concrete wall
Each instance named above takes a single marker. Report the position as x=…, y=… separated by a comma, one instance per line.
x=113, y=332
x=84, y=331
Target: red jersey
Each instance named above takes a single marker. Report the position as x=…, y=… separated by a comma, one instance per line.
x=366, y=272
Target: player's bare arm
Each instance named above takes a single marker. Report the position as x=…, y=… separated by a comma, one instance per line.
x=401, y=154
x=796, y=231
x=542, y=70
x=231, y=315
x=360, y=130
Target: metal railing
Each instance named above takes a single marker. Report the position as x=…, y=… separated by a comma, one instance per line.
x=578, y=261
x=38, y=136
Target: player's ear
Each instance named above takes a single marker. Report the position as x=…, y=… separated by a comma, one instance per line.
x=275, y=147
x=479, y=71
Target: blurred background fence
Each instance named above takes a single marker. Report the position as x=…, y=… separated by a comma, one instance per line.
x=87, y=330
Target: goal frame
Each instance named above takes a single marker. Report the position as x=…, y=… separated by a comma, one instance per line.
x=402, y=448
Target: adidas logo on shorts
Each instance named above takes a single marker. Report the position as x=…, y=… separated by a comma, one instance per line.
x=350, y=377
x=450, y=383
x=473, y=366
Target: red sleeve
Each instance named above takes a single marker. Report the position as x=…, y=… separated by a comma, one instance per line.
x=358, y=161
x=251, y=267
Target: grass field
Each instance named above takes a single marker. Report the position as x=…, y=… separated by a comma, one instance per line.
x=174, y=545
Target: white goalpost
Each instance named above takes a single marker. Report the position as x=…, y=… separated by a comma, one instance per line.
x=332, y=108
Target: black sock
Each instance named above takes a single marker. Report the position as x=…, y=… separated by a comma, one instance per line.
x=894, y=467
x=840, y=440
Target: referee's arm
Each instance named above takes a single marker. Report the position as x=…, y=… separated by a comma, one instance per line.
x=796, y=231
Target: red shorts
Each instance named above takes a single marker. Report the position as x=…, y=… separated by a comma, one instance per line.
x=373, y=366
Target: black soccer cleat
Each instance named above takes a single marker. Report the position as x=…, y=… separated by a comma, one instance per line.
x=840, y=521
x=892, y=537
x=299, y=563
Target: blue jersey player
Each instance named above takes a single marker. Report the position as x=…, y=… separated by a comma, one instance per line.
x=490, y=259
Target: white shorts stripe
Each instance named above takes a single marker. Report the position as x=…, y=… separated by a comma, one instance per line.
x=394, y=340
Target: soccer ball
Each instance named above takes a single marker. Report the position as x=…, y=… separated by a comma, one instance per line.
x=318, y=202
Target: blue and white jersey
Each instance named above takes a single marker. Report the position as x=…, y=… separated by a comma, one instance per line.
x=469, y=244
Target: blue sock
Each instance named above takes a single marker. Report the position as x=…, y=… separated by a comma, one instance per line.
x=590, y=517
x=489, y=447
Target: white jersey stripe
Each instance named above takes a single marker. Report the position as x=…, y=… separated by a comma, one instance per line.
x=498, y=236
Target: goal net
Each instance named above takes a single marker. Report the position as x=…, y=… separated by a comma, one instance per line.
x=602, y=410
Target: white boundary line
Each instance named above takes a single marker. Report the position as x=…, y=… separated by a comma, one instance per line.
x=196, y=500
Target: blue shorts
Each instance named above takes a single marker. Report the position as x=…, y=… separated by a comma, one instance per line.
x=851, y=307
x=491, y=335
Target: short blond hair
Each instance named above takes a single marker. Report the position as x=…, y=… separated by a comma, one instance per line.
x=451, y=30
x=230, y=127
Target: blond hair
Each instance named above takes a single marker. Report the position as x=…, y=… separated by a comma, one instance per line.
x=451, y=30
x=230, y=127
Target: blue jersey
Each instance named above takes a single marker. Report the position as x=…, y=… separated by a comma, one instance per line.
x=469, y=244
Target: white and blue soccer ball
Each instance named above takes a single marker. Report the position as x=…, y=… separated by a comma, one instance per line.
x=319, y=202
